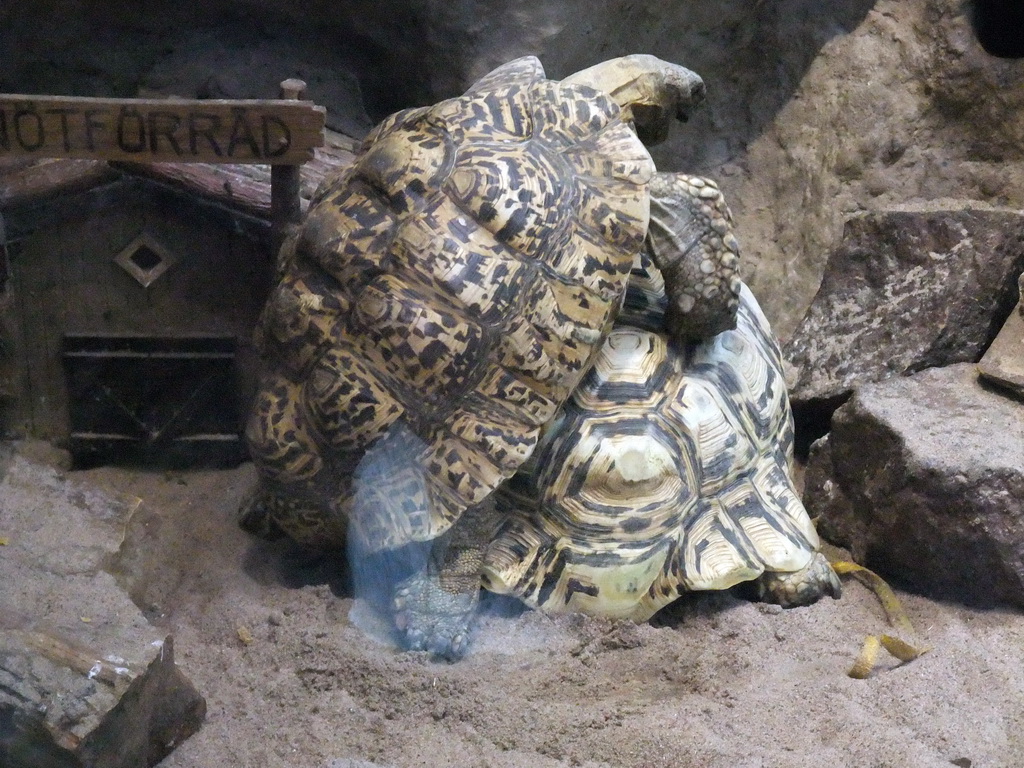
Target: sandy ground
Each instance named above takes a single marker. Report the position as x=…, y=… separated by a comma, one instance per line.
x=712, y=681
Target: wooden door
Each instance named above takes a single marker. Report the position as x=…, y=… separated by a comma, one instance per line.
x=132, y=266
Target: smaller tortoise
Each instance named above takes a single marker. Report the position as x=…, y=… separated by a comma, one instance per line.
x=667, y=471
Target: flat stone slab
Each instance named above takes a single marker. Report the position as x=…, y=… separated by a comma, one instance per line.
x=1003, y=363
x=85, y=680
x=907, y=289
x=922, y=478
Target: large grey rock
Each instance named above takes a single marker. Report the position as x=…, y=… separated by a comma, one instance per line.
x=913, y=288
x=922, y=478
x=905, y=107
x=85, y=680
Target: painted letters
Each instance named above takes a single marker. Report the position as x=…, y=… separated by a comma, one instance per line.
x=273, y=131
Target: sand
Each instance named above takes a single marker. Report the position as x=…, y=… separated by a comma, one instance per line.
x=713, y=681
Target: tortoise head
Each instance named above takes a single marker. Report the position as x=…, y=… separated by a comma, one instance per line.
x=651, y=92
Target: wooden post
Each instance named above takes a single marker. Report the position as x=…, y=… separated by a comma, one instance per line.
x=286, y=180
x=4, y=266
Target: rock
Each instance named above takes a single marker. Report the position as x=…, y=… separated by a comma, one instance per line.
x=85, y=680
x=44, y=452
x=922, y=479
x=1003, y=363
x=236, y=61
x=907, y=289
x=89, y=707
x=906, y=106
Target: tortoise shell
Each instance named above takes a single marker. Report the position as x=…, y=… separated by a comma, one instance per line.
x=442, y=299
x=667, y=471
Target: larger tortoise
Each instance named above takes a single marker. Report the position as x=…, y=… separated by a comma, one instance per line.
x=443, y=298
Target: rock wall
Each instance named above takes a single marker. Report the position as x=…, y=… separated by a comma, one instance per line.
x=815, y=112
x=907, y=108
x=914, y=287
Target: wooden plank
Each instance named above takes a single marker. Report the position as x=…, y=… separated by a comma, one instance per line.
x=338, y=152
x=268, y=131
x=44, y=317
x=242, y=187
x=16, y=408
x=245, y=187
x=25, y=180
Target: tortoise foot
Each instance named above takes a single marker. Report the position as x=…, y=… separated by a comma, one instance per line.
x=430, y=616
x=802, y=587
x=255, y=516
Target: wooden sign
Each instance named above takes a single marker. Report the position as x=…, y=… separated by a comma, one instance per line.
x=276, y=132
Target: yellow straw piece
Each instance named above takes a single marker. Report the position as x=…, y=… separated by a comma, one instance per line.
x=902, y=650
x=874, y=582
x=867, y=658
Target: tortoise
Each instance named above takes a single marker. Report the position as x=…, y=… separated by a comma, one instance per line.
x=668, y=470
x=442, y=298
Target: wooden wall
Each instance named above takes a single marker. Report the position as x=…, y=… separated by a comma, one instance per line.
x=64, y=280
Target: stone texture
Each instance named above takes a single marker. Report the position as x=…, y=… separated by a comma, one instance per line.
x=85, y=680
x=234, y=61
x=906, y=108
x=1003, y=363
x=922, y=478
x=908, y=289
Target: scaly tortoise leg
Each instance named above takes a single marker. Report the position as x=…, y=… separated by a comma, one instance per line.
x=433, y=608
x=428, y=582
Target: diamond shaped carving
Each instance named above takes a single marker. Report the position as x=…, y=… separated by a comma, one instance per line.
x=145, y=259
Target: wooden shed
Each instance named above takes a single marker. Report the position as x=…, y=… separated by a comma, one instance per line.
x=128, y=296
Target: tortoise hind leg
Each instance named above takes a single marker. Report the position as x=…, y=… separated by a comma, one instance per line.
x=431, y=589
x=802, y=587
x=256, y=516
x=406, y=557
x=433, y=608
